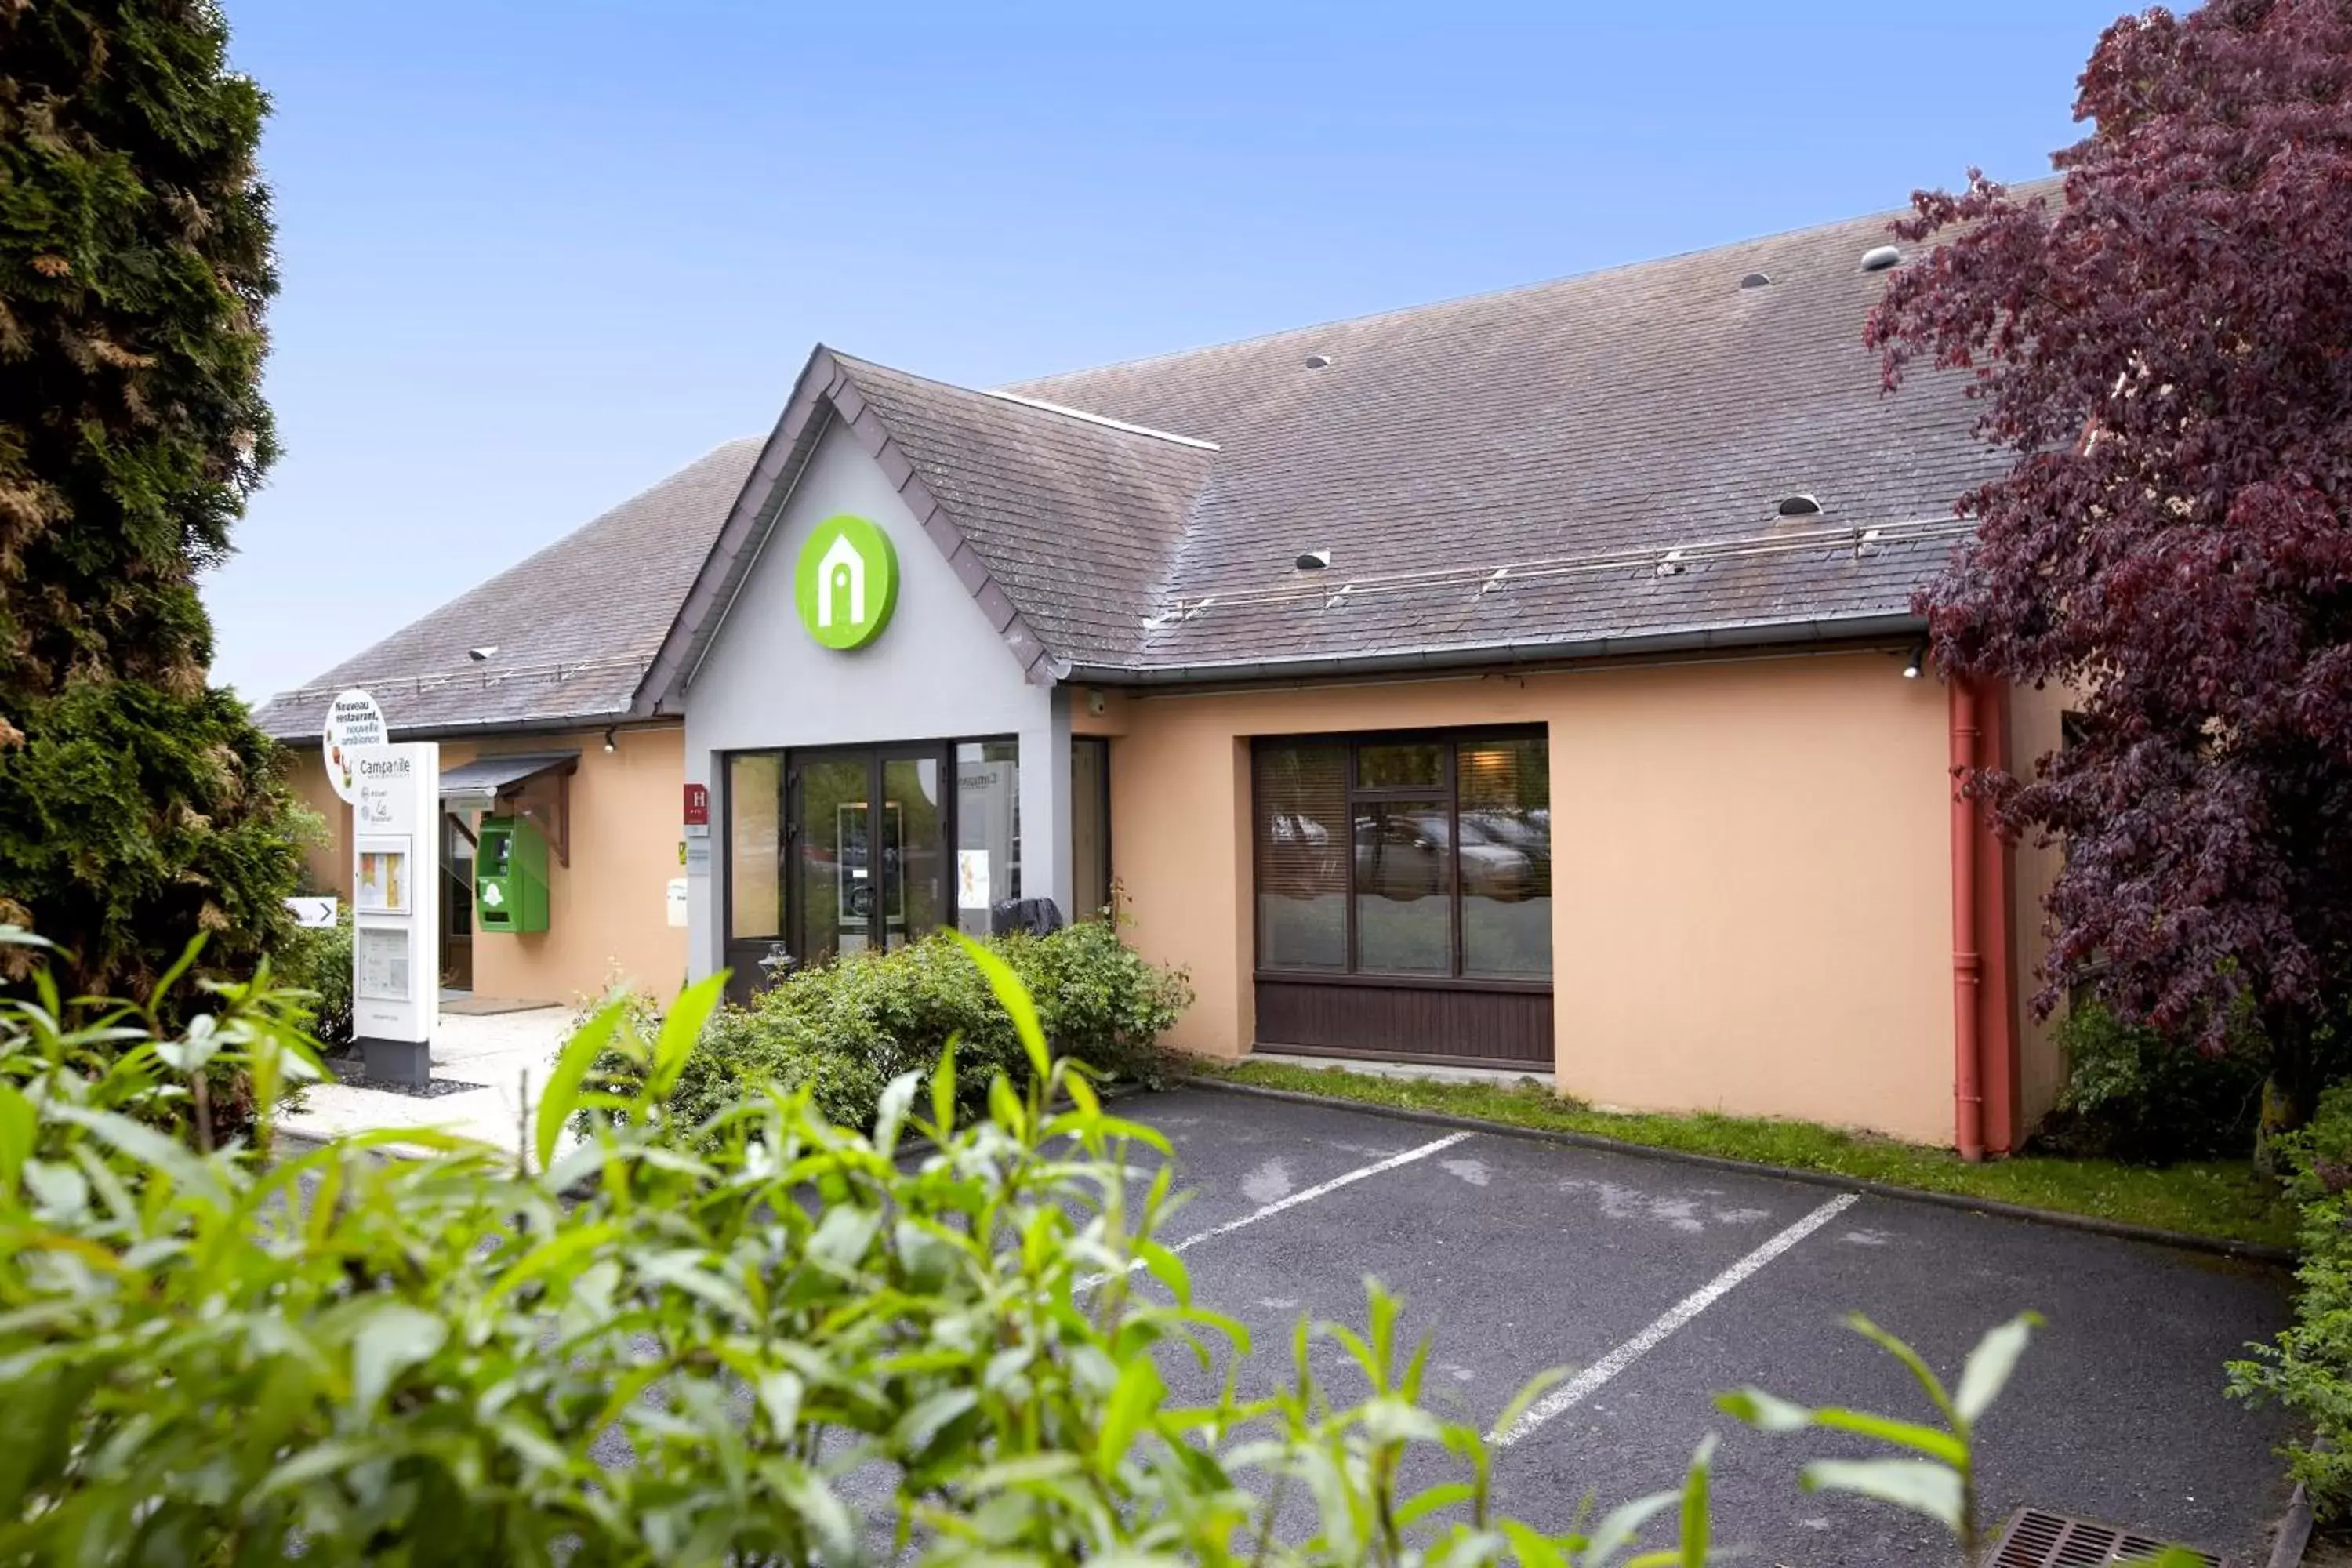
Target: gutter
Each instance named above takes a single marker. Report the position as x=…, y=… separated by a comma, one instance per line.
x=2001, y=1070
x=1985, y=1065
x=1967, y=989
x=1756, y=635
x=618, y=718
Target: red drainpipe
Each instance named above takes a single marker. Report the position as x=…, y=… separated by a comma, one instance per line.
x=1997, y=1041
x=1968, y=985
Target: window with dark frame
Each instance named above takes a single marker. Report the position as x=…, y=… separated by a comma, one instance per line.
x=1090, y=873
x=1419, y=857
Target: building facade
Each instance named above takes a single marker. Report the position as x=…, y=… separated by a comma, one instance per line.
x=1529, y=682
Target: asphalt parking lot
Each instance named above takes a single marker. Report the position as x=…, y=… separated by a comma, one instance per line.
x=1661, y=1284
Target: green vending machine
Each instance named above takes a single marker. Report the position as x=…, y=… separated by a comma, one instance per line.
x=510, y=876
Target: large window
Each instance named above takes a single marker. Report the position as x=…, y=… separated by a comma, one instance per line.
x=1423, y=856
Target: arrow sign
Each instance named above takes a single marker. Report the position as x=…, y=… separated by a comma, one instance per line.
x=312, y=914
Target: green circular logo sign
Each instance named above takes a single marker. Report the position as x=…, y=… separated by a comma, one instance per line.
x=847, y=583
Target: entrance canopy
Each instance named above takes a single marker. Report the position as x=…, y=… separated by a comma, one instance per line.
x=496, y=784
x=483, y=780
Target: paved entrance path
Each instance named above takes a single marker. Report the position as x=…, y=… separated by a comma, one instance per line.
x=1662, y=1284
x=507, y=1055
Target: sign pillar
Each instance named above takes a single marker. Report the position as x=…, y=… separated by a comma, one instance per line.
x=395, y=908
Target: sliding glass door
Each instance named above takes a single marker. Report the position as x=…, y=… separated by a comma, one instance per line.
x=866, y=841
x=844, y=849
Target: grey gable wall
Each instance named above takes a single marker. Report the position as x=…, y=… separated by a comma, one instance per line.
x=939, y=669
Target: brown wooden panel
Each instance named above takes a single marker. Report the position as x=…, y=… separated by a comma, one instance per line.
x=1410, y=1022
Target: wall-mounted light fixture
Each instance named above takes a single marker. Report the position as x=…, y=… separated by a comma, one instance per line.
x=610, y=744
x=1917, y=661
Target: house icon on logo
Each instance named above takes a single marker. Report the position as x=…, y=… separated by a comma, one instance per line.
x=846, y=582
x=841, y=574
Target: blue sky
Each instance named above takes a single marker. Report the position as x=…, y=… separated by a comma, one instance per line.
x=537, y=255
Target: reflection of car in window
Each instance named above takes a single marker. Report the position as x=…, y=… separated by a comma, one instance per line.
x=1290, y=827
x=1517, y=853
x=1301, y=860
x=1400, y=855
x=1407, y=855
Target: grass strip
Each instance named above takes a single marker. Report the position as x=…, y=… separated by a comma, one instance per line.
x=2210, y=1197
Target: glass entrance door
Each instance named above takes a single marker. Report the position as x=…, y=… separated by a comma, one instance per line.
x=914, y=844
x=865, y=877
x=832, y=889
x=457, y=900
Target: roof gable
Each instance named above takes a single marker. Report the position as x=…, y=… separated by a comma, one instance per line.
x=1060, y=524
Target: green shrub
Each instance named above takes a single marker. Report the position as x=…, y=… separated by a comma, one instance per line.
x=356, y=1357
x=2308, y=1369
x=318, y=959
x=740, y=1053
x=140, y=807
x=1099, y=1000
x=2133, y=1094
x=844, y=1030
x=207, y=1097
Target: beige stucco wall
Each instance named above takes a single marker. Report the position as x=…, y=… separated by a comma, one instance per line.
x=607, y=916
x=1751, y=872
x=2034, y=722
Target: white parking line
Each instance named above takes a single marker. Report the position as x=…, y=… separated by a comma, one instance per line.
x=1305, y=1195
x=1577, y=1389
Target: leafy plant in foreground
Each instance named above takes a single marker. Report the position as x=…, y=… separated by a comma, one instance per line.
x=797, y=1344
x=1940, y=1482
x=195, y=1079
x=770, y=1340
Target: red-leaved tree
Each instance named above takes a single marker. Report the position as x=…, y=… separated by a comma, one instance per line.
x=2168, y=348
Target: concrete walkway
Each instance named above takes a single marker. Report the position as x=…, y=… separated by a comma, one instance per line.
x=510, y=1055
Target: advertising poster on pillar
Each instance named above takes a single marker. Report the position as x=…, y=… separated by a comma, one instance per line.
x=396, y=903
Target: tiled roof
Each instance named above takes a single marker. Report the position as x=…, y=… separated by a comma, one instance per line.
x=1076, y=519
x=1545, y=433
x=575, y=624
x=1575, y=467
x=1579, y=467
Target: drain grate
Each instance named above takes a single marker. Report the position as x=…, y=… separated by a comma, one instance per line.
x=2039, y=1539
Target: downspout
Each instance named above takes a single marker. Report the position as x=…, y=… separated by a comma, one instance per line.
x=1997, y=1034
x=1967, y=987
